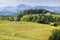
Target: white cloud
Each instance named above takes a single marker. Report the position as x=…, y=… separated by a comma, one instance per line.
x=30, y=2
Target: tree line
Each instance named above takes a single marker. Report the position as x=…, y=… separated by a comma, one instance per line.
x=33, y=15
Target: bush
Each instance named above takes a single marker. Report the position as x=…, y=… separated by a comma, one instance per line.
x=55, y=35
x=11, y=18
x=53, y=24
x=37, y=18
x=31, y=18
x=34, y=18
x=27, y=18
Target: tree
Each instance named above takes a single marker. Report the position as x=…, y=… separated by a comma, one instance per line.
x=38, y=19
x=11, y=18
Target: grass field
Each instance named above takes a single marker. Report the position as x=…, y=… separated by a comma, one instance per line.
x=24, y=31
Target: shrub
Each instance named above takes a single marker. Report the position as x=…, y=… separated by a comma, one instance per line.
x=53, y=24
x=55, y=35
x=34, y=18
x=11, y=18
x=38, y=19
x=27, y=18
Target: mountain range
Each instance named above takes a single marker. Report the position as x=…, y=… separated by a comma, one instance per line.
x=9, y=10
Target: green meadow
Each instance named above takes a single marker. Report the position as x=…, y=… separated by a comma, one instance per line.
x=11, y=30
x=33, y=24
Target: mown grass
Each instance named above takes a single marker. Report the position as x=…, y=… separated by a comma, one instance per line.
x=28, y=30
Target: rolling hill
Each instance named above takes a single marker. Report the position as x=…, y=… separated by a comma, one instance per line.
x=21, y=31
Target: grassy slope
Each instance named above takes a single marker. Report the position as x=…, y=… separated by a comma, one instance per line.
x=24, y=30
x=56, y=15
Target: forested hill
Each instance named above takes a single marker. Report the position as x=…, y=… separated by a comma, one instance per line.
x=34, y=15
x=30, y=11
x=35, y=11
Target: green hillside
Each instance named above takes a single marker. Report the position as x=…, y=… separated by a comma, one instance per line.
x=30, y=24
x=24, y=30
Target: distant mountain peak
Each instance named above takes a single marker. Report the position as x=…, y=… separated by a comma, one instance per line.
x=21, y=7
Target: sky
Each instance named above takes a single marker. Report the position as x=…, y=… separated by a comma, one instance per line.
x=30, y=2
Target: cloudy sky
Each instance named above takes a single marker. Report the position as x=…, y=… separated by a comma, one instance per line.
x=30, y=2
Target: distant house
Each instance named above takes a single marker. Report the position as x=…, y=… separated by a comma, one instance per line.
x=48, y=14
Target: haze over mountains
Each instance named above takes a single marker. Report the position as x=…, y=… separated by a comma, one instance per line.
x=9, y=10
